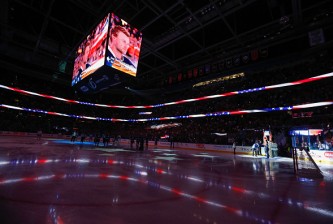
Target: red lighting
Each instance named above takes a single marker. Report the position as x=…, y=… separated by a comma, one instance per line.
x=237, y=112
x=237, y=189
x=230, y=209
x=29, y=179
x=123, y=177
x=103, y=176
x=200, y=200
x=159, y=171
x=47, y=96
x=41, y=161
x=322, y=184
x=228, y=94
x=174, y=190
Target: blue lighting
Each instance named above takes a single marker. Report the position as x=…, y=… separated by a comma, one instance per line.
x=72, y=143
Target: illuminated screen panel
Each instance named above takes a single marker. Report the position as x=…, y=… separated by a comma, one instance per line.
x=124, y=46
x=310, y=132
x=90, y=54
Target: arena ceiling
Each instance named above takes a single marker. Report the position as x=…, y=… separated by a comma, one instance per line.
x=40, y=37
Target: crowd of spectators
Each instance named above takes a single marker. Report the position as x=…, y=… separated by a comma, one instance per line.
x=243, y=128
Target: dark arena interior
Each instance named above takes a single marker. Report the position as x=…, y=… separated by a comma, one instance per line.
x=224, y=114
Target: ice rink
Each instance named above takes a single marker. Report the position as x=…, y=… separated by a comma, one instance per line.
x=57, y=181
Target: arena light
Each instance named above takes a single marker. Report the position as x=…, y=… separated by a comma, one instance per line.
x=145, y=113
x=221, y=113
x=281, y=85
x=219, y=134
x=221, y=79
x=162, y=126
